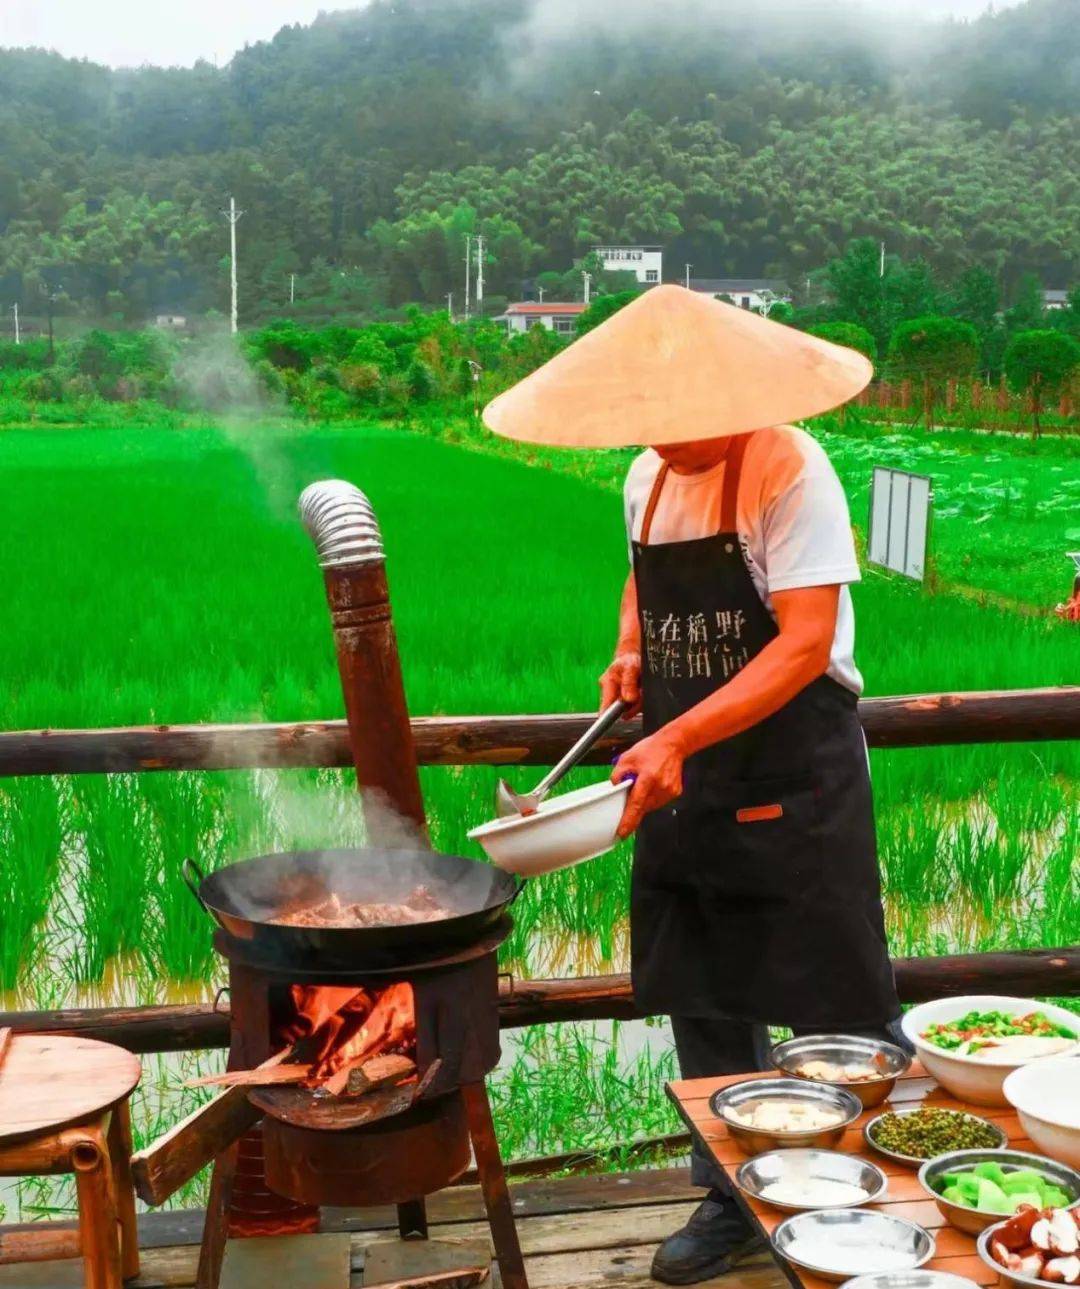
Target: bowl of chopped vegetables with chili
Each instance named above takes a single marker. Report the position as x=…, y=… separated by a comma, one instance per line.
x=971, y=1044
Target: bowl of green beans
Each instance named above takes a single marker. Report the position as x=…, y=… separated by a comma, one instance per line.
x=911, y=1137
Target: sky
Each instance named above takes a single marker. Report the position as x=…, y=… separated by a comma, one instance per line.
x=128, y=33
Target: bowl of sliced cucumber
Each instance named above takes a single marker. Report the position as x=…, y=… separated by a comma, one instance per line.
x=973, y=1189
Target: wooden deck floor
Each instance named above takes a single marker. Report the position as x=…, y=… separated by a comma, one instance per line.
x=576, y=1233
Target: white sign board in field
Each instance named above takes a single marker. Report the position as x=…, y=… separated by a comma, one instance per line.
x=900, y=521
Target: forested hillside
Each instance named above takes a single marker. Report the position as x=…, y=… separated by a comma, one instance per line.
x=363, y=147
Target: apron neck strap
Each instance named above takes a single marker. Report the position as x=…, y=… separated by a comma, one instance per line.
x=654, y=497
x=729, y=498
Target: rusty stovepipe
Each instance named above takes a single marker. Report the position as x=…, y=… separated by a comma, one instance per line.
x=342, y=524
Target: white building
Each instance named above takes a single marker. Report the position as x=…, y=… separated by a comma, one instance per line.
x=645, y=262
x=748, y=293
x=1054, y=299
x=171, y=321
x=555, y=315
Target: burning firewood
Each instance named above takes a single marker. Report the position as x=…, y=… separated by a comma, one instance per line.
x=390, y=1023
x=377, y=1073
x=260, y=1077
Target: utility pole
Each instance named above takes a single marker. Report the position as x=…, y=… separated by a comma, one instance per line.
x=468, y=272
x=450, y=305
x=587, y=279
x=292, y=288
x=52, y=294
x=541, y=290
x=688, y=268
x=15, y=312
x=480, y=274
x=234, y=216
x=881, y=270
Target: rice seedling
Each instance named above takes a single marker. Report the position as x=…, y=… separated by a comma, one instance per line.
x=31, y=837
x=202, y=601
x=110, y=890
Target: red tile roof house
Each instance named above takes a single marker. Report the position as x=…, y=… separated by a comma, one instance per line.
x=555, y=315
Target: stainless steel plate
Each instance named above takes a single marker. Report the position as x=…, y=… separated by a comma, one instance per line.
x=754, y=1141
x=915, y=1161
x=911, y=1280
x=845, y=1049
x=839, y=1243
x=784, y=1165
x=970, y=1219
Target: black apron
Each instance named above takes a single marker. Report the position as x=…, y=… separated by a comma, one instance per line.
x=755, y=895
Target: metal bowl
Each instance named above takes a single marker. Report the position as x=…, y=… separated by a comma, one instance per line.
x=778, y=1165
x=845, y=1049
x=755, y=1141
x=970, y=1219
x=913, y=1161
x=911, y=1280
x=838, y=1243
x=982, y=1244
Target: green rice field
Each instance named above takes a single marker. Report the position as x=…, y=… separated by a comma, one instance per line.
x=159, y=574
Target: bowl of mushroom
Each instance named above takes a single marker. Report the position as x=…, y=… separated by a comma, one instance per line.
x=1034, y=1248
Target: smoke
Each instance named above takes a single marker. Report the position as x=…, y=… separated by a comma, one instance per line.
x=215, y=377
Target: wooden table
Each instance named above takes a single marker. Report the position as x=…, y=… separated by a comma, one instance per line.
x=905, y=1197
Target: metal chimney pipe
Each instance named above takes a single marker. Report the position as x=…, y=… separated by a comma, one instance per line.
x=342, y=524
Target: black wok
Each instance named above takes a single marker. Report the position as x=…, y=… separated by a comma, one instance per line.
x=244, y=899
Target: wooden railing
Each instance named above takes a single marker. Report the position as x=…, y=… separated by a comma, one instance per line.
x=913, y=720
x=910, y=721
x=199, y=1026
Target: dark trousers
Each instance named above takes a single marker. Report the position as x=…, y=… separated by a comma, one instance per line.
x=707, y=1046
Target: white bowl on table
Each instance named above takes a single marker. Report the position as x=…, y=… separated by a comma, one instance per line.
x=1046, y=1097
x=977, y=1082
x=567, y=829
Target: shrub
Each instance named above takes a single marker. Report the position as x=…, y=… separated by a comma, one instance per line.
x=1041, y=364
x=933, y=350
x=848, y=334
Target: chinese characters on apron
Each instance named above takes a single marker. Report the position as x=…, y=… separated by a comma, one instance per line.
x=755, y=895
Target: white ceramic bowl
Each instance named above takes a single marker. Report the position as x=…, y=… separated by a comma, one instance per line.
x=1046, y=1097
x=566, y=830
x=978, y=1082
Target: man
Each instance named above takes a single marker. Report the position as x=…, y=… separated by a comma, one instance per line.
x=755, y=897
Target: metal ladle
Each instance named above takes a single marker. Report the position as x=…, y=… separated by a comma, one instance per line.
x=509, y=802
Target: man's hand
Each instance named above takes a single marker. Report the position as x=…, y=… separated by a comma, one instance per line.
x=657, y=763
x=622, y=680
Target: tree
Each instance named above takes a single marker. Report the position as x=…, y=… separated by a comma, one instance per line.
x=849, y=334
x=976, y=298
x=933, y=350
x=1039, y=365
x=1026, y=312
x=602, y=308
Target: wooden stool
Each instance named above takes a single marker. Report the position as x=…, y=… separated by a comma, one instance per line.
x=64, y=1109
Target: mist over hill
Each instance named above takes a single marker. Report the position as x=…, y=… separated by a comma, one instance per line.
x=746, y=139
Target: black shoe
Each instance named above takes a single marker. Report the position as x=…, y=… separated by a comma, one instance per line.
x=710, y=1244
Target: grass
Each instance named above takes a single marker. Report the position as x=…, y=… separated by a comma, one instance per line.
x=155, y=573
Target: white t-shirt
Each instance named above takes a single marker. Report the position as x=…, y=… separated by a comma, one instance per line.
x=792, y=517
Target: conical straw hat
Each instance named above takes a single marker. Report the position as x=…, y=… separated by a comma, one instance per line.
x=674, y=366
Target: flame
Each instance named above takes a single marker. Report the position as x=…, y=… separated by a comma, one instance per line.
x=343, y=1026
